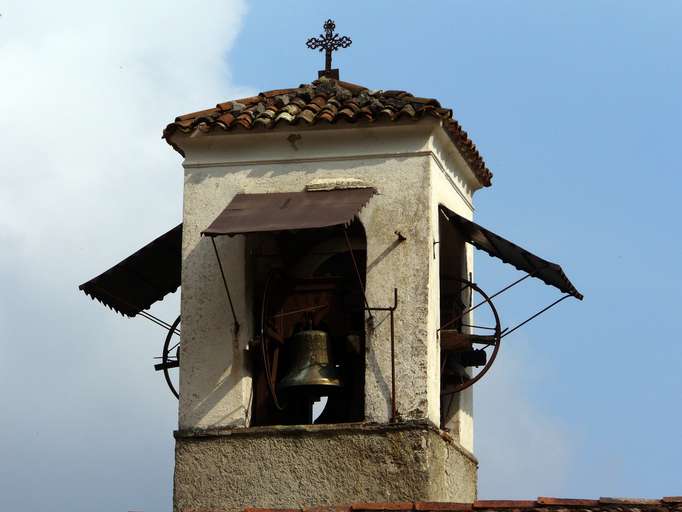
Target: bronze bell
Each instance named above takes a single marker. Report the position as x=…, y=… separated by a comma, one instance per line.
x=310, y=363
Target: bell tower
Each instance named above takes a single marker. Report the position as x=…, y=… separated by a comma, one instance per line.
x=327, y=336
x=310, y=365
x=310, y=360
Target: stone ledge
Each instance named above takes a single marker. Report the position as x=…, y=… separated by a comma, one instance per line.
x=322, y=430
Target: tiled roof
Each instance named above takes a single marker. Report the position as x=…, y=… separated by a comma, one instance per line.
x=669, y=504
x=328, y=101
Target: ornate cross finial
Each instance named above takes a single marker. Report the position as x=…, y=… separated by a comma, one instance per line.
x=328, y=42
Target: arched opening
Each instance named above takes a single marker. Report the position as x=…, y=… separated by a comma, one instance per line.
x=308, y=363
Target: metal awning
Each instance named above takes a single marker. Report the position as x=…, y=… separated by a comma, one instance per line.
x=141, y=279
x=253, y=213
x=548, y=272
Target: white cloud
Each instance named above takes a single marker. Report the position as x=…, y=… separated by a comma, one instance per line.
x=523, y=451
x=85, y=92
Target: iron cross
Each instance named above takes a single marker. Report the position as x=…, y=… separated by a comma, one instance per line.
x=329, y=42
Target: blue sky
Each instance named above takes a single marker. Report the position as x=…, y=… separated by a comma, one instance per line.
x=576, y=107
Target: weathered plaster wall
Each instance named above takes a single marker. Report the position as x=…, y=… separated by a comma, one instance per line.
x=453, y=188
x=320, y=465
x=414, y=166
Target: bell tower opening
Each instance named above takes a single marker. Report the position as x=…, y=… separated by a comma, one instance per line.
x=307, y=356
x=454, y=298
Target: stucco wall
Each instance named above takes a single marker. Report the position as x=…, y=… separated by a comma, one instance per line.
x=413, y=170
x=319, y=465
x=450, y=189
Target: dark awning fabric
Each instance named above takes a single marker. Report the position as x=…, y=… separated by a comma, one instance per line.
x=496, y=246
x=141, y=279
x=253, y=213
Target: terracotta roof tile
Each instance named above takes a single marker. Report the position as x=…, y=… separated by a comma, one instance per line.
x=441, y=506
x=628, y=501
x=285, y=117
x=268, y=510
x=400, y=505
x=542, y=504
x=308, y=115
x=277, y=92
x=195, y=115
x=504, y=504
x=299, y=102
x=327, y=100
x=227, y=119
x=329, y=508
x=247, y=102
x=291, y=108
x=567, y=502
x=186, y=123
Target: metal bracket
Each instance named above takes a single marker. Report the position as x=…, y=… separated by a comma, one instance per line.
x=391, y=309
x=227, y=289
x=509, y=331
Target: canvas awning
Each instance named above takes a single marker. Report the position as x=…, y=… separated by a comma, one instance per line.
x=253, y=213
x=548, y=272
x=143, y=278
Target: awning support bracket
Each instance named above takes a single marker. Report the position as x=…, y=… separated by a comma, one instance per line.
x=227, y=288
x=471, y=308
x=357, y=273
x=158, y=322
x=509, y=331
x=391, y=311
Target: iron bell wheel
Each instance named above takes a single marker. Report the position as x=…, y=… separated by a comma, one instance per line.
x=170, y=356
x=476, y=348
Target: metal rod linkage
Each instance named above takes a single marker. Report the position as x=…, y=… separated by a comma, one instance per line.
x=227, y=289
x=153, y=320
x=158, y=321
x=450, y=322
x=536, y=315
x=357, y=271
x=297, y=311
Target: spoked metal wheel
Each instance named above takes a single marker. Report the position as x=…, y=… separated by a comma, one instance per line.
x=469, y=348
x=170, y=357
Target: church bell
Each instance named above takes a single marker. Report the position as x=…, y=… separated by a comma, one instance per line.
x=310, y=363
